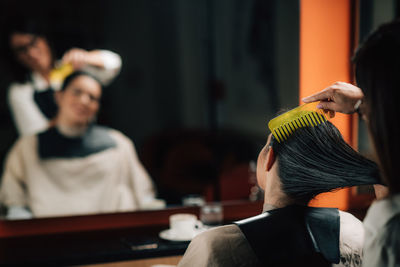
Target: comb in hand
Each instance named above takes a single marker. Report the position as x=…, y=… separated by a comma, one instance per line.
x=286, y=124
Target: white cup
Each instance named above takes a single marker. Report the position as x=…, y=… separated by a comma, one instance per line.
x=184, y=225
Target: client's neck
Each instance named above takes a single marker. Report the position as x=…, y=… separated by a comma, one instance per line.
x=274, y=195
x=277, y=201
x=71, y=130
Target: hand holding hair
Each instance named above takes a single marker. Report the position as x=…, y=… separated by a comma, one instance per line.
x=338, y=97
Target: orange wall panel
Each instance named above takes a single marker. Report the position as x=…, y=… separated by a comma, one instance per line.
x=324, y=59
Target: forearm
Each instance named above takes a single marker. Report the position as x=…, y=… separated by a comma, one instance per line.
x=104, y=65
x=26, y=114
x=95, y=58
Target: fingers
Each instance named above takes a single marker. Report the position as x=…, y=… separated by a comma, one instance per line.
x=328, y=107
x=330, y=113
x=322, y=95
x=76, y=57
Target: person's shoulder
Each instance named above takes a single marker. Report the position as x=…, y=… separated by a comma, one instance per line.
x=220, y=234
x=24, y=144
x=20, y=84
x=218, y=242
x=117, y=136
x=220, y=246
x=16, y=90
x=351, y=229
x=348, y=220
x=115, y=133
x=227, y=243
x=351, y=239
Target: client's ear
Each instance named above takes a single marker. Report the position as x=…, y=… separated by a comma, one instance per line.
x=270, y=158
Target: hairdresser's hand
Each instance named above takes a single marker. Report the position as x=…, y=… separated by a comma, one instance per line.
x=79, y=58
x=76, y=57
x=339, y=97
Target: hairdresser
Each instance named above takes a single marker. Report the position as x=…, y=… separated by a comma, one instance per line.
x=377, y=70
x=32, y=62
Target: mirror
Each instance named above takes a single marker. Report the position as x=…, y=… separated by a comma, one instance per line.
x=198, y=84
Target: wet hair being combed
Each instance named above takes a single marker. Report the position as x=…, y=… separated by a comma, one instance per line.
x=316, y=159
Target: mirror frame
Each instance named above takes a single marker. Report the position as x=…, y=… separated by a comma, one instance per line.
x=233, y=210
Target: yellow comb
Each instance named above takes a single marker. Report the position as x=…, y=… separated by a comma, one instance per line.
x=58, y=74
x=305, y=115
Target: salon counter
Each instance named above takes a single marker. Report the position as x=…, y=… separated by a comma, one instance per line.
x=99, y=238
x=89, y=247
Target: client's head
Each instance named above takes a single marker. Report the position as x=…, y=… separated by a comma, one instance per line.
x=78, y=100
x=311, y=161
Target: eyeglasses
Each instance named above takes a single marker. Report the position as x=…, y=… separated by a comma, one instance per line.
x=77, y=92
x=23, y=49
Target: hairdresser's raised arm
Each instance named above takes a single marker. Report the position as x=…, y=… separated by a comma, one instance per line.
x=103, y=64
x=340, y=96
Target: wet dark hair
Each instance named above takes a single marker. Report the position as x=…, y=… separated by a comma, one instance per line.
x=316, y=159
x=377, y=68
x=75, y=75
x=22, y=25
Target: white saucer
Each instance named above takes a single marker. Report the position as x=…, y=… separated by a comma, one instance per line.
x=172, y=236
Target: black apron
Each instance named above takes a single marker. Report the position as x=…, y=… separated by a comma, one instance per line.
x=294, y=236
x=46, y=102
x=52, y=144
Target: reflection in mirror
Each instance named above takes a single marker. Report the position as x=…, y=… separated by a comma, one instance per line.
x=198, y=82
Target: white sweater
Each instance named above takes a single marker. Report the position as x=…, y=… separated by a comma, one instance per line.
x=108, y=181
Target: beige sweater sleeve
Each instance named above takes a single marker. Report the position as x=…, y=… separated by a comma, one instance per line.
x=140, y=181
x=223, y=246
x=13, y=187
x=112, y=66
